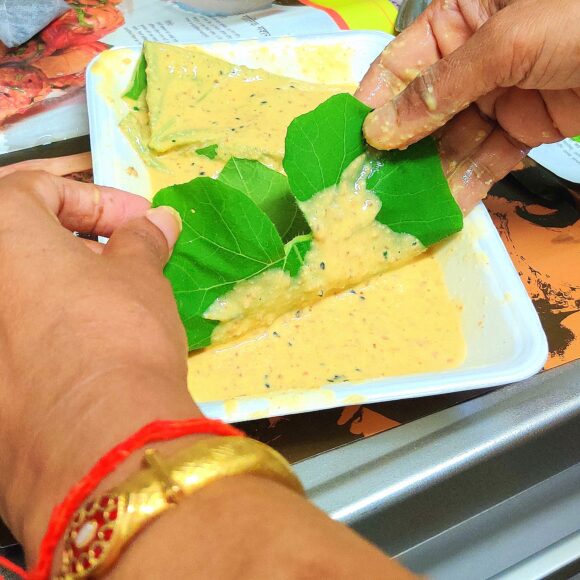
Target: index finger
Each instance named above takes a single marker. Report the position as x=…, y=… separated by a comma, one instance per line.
x=55, y=165
x=82, y=207
x=401, y=60
x=441, y=28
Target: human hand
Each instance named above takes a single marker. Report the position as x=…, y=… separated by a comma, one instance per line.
x=92, y=347
x=91, y=350
x=501, y=75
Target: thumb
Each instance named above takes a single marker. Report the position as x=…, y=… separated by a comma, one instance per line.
x=450, y=85
x=148, y=239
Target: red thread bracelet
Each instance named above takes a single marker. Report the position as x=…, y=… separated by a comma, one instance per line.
x=62, y=513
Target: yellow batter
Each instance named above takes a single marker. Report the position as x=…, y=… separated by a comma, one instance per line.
x=402, y=322
x=275, y=332
x=178, y=166
x=349, y=246
x=194, y=99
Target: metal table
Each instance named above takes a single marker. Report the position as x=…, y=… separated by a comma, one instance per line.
x=489, y=488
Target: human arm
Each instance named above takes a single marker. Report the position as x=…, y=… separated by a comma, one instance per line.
x=500, y=77
x=93, y=349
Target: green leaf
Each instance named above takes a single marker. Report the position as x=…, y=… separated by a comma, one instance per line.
x=296, y=251
x=230, y=224
x=226, y=238
x=577, y=138
x=270, y=191
x=321, y=144
x=414, y=193
x=139, y=82
x=415, y=197
x=210, y=151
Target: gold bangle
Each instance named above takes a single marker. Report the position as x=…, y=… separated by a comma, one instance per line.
x=102, y=528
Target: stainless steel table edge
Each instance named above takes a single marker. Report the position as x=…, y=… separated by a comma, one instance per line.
x=471, y=491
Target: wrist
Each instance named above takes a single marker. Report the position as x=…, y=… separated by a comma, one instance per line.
x=109, y=522
x=79, y=429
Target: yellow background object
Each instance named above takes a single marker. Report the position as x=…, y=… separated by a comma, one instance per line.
x=359, y=14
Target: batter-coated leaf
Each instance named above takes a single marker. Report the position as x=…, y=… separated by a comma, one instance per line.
x=234, y=227
x=415, y=197
x=414, y=193
x=139, y=81
x=226, y=238
x=210, y=151
x=296, y=251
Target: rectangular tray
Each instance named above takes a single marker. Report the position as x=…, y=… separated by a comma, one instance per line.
x=505, y=340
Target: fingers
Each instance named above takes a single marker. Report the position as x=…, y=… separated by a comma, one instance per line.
x=378, y=85
x=486, y=104
x=476, y=153
x=564, y=109
x=442, y=28
x=461, y=137
x=485, y=165
x=147, y=240
x=95, y=247
x=55, y=165
x=523, y=114
x=447, y=87
x=78, y=206
x=425, y=105
x=401, y=61
x=89, y=208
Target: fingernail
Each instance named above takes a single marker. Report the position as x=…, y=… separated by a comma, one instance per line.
x=379, y=127
x=167, y=220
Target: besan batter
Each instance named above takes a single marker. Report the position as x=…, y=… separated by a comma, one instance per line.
x=194, y=99
x=402, y=321
x=367, y=303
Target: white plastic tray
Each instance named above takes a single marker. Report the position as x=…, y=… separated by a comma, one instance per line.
x=504, y=337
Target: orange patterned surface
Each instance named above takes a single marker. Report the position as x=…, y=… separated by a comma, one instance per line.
x=365, y=421
x=543, y=239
